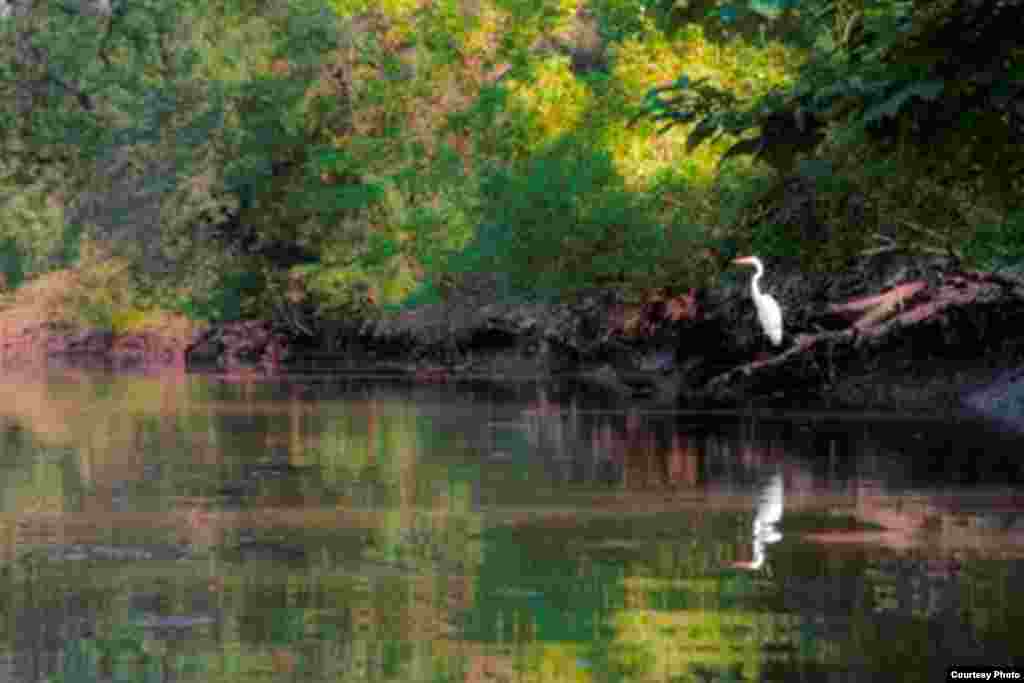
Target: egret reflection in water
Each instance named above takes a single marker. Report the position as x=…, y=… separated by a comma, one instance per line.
x=767, y=516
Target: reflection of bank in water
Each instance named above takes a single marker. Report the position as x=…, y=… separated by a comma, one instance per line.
x=768, y=515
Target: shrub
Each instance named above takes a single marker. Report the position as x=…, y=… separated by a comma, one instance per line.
x=565, y=221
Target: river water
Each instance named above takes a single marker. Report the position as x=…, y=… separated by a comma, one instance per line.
x=192, y=528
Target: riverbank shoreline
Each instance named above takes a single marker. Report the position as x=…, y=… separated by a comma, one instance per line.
x=935, y=342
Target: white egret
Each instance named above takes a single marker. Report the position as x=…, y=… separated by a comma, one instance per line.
x=769, y=514
x=769, y=313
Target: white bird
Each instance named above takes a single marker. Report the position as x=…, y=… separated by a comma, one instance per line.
x=769, y=513
x=769, y=313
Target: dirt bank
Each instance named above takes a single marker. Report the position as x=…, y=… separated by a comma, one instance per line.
x=891, y=332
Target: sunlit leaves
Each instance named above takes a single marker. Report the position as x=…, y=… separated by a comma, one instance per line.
x=396, y=8
x=555, y=96
x=30, y=219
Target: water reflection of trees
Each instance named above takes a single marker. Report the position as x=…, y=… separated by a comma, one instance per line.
x=899, y=580
x=384, y=538
x=322, y=541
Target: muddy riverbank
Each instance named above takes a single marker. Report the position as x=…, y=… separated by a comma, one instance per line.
x=892, y=332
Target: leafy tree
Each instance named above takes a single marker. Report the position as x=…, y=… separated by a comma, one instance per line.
x=888, y=93
x=322, y=157
x=569, y=223
x=30, y=222
x=132, y=111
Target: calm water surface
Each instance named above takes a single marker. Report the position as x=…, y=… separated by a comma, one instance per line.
x=328, y=529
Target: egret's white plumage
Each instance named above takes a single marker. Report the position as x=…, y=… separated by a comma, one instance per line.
x=769, y=313
x=768, y=515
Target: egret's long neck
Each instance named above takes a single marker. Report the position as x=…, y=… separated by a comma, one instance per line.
x=755, y=283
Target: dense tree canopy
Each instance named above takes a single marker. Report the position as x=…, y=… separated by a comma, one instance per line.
x=319, y=155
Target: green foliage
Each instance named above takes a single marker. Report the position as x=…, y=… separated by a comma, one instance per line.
x=442, y=27
x=230, y=297
x=30, y=220
x=439, y=233
x=570, y=222
x=11, y=266
x=369, y=153
x=882, y=74
x=425, y=294
x=854, y=85
x=106, y=291
x=152, y=128
x=122, y=655
x=498, y=129
x=621, y=19
x=712, y=108
x=999, y=243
